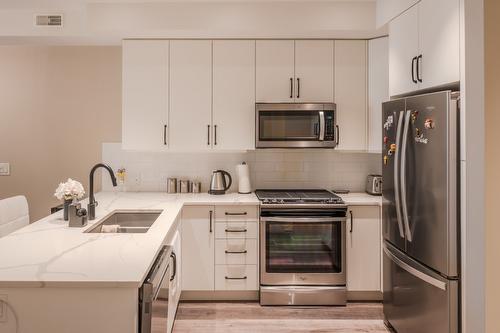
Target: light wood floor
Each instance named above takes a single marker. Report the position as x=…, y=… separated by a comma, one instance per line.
x=250, y=317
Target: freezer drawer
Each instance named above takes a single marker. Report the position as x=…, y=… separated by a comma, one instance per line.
x=416, y=299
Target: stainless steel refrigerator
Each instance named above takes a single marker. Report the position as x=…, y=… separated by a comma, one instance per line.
x=420, y=213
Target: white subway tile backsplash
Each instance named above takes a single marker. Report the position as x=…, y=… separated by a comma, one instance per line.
x=268, y=168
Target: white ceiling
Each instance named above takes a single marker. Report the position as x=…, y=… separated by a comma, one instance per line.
x=10, y=4
x=107, y=22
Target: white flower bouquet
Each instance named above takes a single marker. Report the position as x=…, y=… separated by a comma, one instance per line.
x=69, y=190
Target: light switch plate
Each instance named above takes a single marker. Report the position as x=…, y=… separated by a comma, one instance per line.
x=4, y=169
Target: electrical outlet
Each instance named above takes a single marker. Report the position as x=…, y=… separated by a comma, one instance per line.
x=3, y=308
x=4, y=169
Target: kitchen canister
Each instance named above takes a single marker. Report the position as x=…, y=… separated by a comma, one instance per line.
x=184, y=186
x=196, y=187
x=243, y=172
x=171, y=185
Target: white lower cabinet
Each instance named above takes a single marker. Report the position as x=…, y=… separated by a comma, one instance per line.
x=236, y=251
x=236, y=277
x=219, y=248
x=236, y=230
x=198, y=244
x=363, y=248
x=175, y=282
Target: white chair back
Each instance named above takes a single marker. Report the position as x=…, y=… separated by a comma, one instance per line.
x=14, y=214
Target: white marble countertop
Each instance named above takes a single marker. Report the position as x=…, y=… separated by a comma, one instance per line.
x=361, y=199
x=48, y=253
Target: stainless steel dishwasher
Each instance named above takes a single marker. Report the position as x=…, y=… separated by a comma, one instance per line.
x=154, y=310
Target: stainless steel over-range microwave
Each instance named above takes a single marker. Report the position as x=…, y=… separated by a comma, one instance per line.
x=296, y=125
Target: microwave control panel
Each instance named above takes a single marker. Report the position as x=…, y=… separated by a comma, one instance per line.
x=329, y=126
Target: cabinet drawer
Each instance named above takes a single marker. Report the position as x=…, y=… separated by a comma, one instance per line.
x=236, y=252
x=235, y=230
x=236, y=277
x=236, y=213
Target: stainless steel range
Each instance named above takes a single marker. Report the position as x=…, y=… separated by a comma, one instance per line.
x=302, y=247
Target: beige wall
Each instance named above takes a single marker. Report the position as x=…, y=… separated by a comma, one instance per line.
x=57, y=105
x=492, y=115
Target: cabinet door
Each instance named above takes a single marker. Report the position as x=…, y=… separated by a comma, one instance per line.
x=363, y=249
x=351, y=93
x=275, y=71
x=175, y=280
x=403, y=47
x=378, y=89
x=190, y=94
x=234, y=94
x=198, y=227
x=145, y=94
x=314, y=71
x=439, y=42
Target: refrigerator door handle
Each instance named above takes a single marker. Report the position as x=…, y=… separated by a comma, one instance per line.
x=403, y=175
x=396, y=175
x=415, y=272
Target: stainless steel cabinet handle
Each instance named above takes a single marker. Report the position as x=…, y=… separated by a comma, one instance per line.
x=174, y=257
x=208, y=135
x=236, y=252
x=215, y=135
x=235, y=230
x=298, y=87
x=352, y=221
x=235, y=214
x=396, y=175
x=291, y=87
x=403, y=176
x=235, y=278
x=164, y=135
x=210, y=219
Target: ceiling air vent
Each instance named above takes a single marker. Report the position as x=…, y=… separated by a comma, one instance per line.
x=48, y=20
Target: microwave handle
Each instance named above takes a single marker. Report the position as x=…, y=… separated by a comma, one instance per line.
x=321, y=125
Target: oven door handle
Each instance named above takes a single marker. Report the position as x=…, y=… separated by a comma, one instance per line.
x=302, y=219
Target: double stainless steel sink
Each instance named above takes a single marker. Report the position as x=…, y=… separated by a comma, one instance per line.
x=135, y=222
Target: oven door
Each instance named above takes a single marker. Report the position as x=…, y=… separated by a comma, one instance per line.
x=302, y=250
x=294, y=126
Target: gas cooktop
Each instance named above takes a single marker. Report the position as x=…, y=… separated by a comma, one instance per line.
x=301, y=196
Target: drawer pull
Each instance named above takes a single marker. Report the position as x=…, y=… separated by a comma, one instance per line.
x=235, y=278
x=236, y=252
x=236, y=214
x=236, y=230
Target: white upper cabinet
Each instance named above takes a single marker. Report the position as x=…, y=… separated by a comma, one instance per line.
x=295, y=71
x=314, y=74
x=351, y=93
x=378, y=89
x=403, y=52
x=190, y=120
x=234, y=94
x=275, y=71
x=389, y=9
x=424, y=47
x=145, y=94
x=439, y=43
